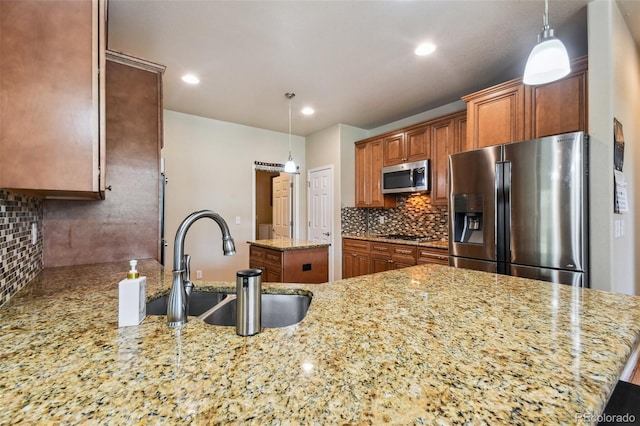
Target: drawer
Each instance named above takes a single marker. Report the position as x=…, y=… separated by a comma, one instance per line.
x=426, y=255
x=356, y=245
x=382, y=248
x=273, y=257
x=402, y=250
x=256, y=252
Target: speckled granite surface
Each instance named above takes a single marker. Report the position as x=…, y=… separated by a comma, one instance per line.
x=439, y=244
x=422, y=345
x=284, y=244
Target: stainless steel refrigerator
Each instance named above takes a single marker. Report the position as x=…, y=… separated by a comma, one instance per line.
x=521, y=209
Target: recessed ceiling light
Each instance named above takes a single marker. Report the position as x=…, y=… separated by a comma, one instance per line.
x=425, y=49
x=190, y=78
x=308, y=111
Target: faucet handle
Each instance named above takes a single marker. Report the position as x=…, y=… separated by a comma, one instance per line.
x=186, y=274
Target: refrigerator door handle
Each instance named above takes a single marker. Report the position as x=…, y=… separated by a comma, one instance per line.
x=502, y=186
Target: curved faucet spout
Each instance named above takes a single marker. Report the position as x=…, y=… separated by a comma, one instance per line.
x=178, y=297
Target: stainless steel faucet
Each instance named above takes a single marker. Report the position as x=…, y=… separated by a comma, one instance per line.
x=182, y=285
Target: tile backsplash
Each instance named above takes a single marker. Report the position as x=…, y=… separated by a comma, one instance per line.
x=414, y=215
x=20, y=261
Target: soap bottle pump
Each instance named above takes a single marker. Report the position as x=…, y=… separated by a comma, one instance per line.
x=132, y=303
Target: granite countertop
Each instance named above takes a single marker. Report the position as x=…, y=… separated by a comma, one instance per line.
x=428, y=344
x=435, y=243
x=285, y=244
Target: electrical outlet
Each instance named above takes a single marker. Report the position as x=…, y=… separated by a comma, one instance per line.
x=199, y=275
x=381, y=220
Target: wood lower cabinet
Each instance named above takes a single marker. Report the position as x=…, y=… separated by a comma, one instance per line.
x=513, y=111
x=304, y=265
x=356, y=258
x=387, y=256
x=361, y=257
x=368, y=170
x=433, y=255
x=52, y=106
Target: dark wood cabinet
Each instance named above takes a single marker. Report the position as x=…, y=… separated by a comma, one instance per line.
x=513, y=111
x=368, y=172
x=408, y=145
x=558, y=107
x=495, y=115
x=355, y=258
x=52, y=106
x=446, y=137
x=300, y=265
x=360, y=257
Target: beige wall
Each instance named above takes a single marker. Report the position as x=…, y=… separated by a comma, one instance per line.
x=614, y=75
x=209, y=164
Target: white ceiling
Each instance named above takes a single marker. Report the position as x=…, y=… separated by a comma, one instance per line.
x=351, y=60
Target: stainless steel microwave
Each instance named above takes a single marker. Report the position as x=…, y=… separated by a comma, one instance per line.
x=407, y=177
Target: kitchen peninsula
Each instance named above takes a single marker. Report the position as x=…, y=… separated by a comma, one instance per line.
x=288, y=260
x=414, y=345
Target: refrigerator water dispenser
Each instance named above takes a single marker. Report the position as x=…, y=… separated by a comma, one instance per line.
x=468, y=217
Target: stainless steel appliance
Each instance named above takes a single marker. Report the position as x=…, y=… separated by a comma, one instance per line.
x=407, y=177
x=522, y=209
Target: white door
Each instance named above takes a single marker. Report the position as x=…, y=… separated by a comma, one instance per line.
x=320, y=205
x=282, y=206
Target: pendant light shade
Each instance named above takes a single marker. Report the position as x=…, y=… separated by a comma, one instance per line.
x=290, y=165
x=549, y=60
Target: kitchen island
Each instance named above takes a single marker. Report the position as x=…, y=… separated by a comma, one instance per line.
x=288, y=260
x=427, y=344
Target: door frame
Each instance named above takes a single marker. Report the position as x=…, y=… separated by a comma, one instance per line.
x=294, y=201
x=332, y=239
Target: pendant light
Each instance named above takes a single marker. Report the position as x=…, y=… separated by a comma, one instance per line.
x=548, y=61
x=290, y=165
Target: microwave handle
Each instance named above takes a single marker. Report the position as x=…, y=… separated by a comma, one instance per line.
x=411, y=180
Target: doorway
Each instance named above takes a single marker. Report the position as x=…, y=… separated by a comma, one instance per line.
x=273, y=204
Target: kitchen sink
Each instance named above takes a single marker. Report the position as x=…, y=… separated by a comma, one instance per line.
x=199, y=303
x=278, y=310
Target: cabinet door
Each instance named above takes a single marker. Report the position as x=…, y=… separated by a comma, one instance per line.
x=354, y=264
x=369, y=161
x=394, y=150
x=129, y=217
x=496, y=115
x=363, y=159
x=558, y=107
x=377, y=199
x=442, y=144
x=418, y=143
x=380, y=264
x=52, y=133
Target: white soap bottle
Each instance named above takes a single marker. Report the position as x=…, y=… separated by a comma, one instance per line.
x=132, y=303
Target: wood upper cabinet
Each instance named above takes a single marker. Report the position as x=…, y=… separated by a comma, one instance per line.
x=129, y=216
x=408, y=146
x=512, y=111
x=369, y=162
x=446, y=138
x=558, y=107
x=52, y=138
x=393, y=149
x=495, y=115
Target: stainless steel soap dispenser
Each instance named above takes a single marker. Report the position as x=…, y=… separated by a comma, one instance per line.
x=248, y=302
